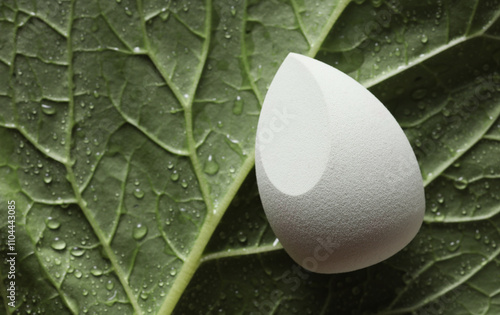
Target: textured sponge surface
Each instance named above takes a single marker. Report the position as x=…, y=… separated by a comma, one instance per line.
x=338, y=180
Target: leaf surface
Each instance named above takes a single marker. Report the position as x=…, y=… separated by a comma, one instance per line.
x=127, y=141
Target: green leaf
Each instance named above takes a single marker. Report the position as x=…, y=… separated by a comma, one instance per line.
x=127, y=142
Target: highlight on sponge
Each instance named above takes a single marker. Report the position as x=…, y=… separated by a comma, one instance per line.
x=338, y=179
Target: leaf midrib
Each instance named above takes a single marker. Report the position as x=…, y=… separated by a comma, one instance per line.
x=215, y=212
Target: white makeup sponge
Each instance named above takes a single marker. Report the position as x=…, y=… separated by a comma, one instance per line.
x=339, y=182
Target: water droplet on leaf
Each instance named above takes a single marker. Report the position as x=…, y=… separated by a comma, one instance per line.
x=140, y=231
x=138, y=193
x=238, y=106
x=77, y=251
x=58, y=244
x=52, y=223
x=48, y=109
x=211, y=166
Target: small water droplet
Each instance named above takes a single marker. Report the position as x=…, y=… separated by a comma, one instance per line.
x=52, y=223
x=238, y=106
x=440, y=198
x=175, y=176
x=424, y=39
x=242, y=237
x=233, y=10
x=47, y=178
x=184, y=184
x=419, y=94
x=78, y=274
x=96, y=272
x=211, y=166
x=48, y=109
x=77, y=251
x=477, y=235
x=434, y=207
x=173, y=271
x=110, y=285
x=58, y=244
x=453, y=246
x=139, y=231
x=138, y=193
x=461, y=183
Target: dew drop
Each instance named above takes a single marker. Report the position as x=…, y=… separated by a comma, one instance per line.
x=419, y=94
x=77, y=251
x=434, y=207
x=110, y=285
x=211, y=166
x=78, y=274
x=138, y=193
x=139, y=231
x=440, y=198
x=96, y=272
x=58, y=244
x=238, y=106
x=460, y=183
x=48, y=109
x=424, y=39
x=453, y=246
x=52, y=223
x=184, y=184
x=477, y=235
x=233, y=10
x=47, y=178
x=175, y=176
x=242, y=237
x=173, y=271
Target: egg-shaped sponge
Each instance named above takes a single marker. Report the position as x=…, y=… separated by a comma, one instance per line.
x=338, y=179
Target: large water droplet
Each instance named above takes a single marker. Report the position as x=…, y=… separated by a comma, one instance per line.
x=211, y=166
x=140, y=231
x=58, y=244
x=173, y=271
